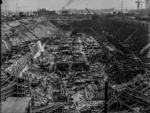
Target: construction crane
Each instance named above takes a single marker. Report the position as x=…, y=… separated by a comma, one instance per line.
x=95, y=16
x=138, y=3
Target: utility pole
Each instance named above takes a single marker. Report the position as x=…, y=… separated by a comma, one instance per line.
x=106, y=96
x=5, y=10
x=141, y=9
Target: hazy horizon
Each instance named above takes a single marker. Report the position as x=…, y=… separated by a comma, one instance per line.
x=68, y=4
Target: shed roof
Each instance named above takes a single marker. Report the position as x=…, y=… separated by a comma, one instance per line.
x=15, y=104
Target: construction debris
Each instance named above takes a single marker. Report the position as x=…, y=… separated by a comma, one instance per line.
x=68, y=71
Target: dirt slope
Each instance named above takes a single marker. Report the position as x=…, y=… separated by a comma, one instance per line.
x=25, y=30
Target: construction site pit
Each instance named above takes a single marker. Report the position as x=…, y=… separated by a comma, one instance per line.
x=73, y=65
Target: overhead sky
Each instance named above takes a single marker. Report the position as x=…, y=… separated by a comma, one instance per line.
x=74, y=4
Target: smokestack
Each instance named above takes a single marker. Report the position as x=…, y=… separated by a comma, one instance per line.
x=121, y=5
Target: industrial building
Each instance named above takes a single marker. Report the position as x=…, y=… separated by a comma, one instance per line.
x=42, y=12
x=147, y=4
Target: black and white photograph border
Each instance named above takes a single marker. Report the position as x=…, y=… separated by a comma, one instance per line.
x=75, y=56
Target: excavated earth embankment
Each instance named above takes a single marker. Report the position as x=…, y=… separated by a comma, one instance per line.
x=131, y=34
x=24, y=30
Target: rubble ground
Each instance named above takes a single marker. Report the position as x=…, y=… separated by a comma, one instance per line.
x=71, y=68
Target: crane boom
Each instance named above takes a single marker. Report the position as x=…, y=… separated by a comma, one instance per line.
x=88, y=10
